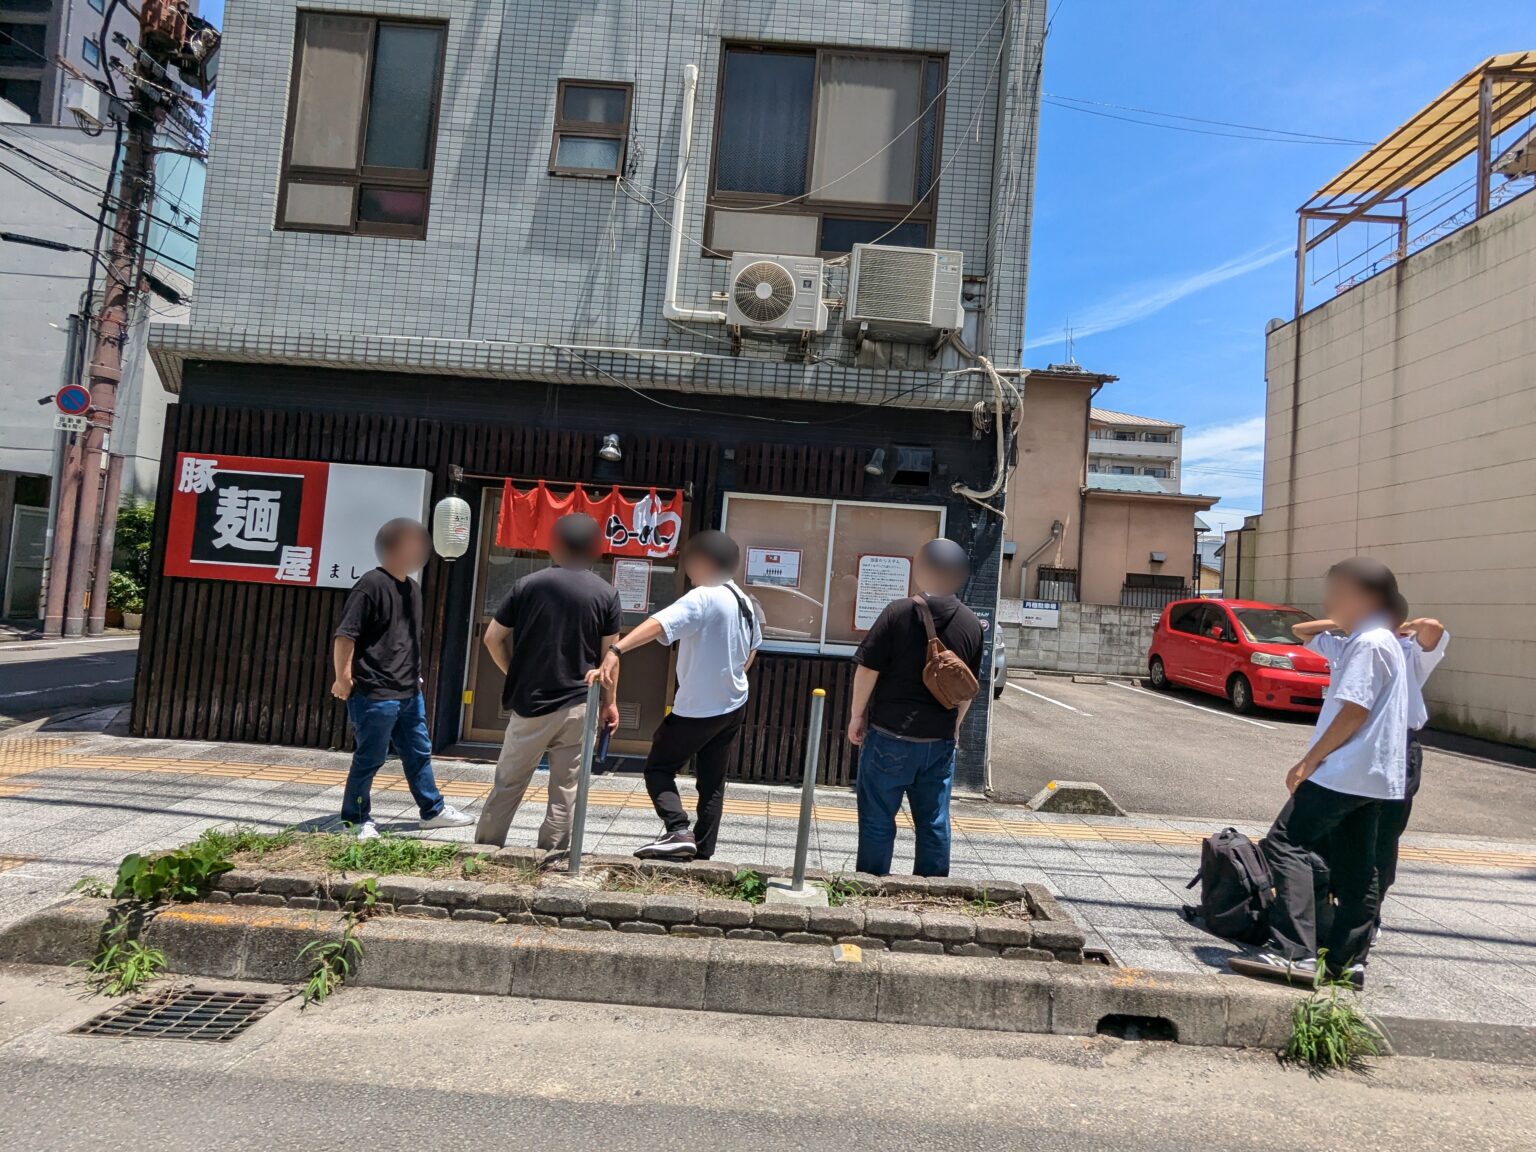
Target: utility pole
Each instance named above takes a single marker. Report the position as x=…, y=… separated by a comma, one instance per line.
x=82, y=556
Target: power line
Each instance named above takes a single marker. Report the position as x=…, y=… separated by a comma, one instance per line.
x=1201, y=120
x=75, y=208
x=1058, y=103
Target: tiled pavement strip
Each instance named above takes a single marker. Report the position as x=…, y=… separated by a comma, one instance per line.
x=1461, y=923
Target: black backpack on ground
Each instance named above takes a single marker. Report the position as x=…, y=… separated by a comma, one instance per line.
x=1235, y=888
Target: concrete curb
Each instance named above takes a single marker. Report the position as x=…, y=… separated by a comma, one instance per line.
x=719, y=975
x=712, y=974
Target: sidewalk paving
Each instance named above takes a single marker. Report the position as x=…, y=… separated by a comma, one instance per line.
x=1460, y=939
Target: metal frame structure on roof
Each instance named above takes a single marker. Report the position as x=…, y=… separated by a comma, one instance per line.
x=1461, y=121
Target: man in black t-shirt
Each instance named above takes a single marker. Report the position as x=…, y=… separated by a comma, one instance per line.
x=377, y=654
x=550, y=631
x=906, y=737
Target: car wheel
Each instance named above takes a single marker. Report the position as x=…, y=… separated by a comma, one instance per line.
x=1240, y=692
x=1158, y=674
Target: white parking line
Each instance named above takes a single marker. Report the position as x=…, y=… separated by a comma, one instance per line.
x=1048, y=700
x=64, y=688
x=1196, y=707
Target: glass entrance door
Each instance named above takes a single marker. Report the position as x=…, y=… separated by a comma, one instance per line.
x=646, y=687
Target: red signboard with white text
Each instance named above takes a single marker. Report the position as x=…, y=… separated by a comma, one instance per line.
x=646, y=527
x=267, y=521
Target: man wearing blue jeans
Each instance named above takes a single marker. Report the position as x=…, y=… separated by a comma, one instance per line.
x=905, y=735
x=377, y=655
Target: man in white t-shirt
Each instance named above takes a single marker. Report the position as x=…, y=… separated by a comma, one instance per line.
x=717, y=630
x=1424, y=642
x=1357, y=760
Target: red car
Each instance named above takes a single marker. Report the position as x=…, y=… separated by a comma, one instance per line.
x=1239, y=649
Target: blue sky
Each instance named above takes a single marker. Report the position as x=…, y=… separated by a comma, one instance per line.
x=1168, y=251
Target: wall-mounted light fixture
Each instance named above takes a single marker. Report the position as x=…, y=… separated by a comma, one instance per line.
x=451, y=520
x=610, y=449
x=1159, y=557
x=876, y=465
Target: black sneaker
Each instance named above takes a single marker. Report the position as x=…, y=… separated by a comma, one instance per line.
x=677, y=845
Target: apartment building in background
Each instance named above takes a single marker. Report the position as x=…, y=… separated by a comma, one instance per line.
x=1120, y=444
x=35, y=33
x=721, y=265
x=1401, y=419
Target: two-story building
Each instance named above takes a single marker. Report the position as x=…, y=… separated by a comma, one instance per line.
x=748, y=265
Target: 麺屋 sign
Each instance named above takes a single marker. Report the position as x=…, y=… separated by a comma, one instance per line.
x=271, y=521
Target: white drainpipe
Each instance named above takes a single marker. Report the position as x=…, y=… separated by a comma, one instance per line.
x=670, y=308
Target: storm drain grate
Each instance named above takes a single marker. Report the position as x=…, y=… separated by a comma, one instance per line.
x=182, y=1014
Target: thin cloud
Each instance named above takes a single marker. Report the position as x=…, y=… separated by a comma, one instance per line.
x=1226, y=460
x=1152, y=296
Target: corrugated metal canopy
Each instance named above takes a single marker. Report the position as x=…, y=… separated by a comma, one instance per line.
x=1440, y=136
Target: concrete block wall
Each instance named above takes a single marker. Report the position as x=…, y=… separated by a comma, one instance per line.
x=1101, y=639
x=515, y=254
x=1399, y=426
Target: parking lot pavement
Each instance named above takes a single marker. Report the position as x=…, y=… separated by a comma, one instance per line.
x=1188, y=755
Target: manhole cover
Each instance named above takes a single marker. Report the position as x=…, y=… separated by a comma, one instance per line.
x=183, y=1014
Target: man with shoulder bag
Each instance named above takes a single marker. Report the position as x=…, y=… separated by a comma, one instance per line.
x=917, y=674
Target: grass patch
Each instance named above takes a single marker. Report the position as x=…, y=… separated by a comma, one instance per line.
x=396, y=855
x=1329, y=1029
x=244, y=840
x=841, y=890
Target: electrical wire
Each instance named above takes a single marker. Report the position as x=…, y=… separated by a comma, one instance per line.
x=1057, y=103
x=75, y=208
x=1312, y=136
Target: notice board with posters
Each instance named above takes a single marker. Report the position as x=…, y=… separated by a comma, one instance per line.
x=267, y=521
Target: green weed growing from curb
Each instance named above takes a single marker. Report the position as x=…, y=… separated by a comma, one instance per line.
x=1329, y=1030
x=748, y=885
x=840, y=890
x=332, y=960
x=122, y=965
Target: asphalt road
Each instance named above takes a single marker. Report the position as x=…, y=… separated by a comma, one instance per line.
x=38, y=677
x=419, y=1071
x=1189, y=755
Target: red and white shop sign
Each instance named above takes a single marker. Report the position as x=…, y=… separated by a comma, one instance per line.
x=646, y=527
x=267, y=521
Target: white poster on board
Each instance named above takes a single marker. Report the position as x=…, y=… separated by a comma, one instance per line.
x=881, y=580
x=1040, y=614
x=359, y=499
x=632, y=581
x=775, y=567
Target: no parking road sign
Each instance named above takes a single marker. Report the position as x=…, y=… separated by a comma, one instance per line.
x=72, y=400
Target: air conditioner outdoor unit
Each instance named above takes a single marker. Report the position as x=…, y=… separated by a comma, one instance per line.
x=775, y=293
x=903, y=293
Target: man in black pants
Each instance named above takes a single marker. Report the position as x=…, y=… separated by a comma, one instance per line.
x=717, y=631
x=1356, y=761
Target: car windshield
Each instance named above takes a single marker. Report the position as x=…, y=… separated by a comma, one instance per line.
x=1270, y=625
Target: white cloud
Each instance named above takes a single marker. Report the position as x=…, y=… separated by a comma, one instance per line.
x=1142, y=300
x=1226, y=460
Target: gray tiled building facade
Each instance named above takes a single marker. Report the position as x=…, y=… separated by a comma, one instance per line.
x=526, y=281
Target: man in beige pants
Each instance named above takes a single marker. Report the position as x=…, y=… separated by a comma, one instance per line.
x=550, y=631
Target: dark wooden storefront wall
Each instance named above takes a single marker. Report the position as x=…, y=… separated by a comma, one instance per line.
x=251, y=662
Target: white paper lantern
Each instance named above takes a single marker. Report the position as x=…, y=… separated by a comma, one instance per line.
x=450, y=527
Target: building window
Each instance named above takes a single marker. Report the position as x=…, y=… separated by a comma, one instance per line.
x=1160, y=473
x=362, y=126
x=23, y=44
x=591, y=128
x=1156, y=437
x=91, y=52
x=1122, y=470
x=25, y=94
x=821, y=149
x=823, y=569
x=1125, y=435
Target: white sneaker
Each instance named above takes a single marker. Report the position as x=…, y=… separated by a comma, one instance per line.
x=449, y=817
x=367, y=830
